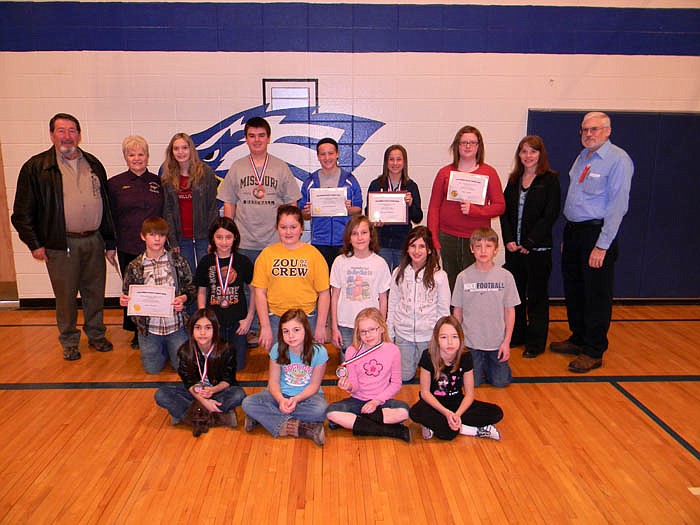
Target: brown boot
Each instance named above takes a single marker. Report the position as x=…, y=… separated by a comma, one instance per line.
x=290, y=428
x=313, y=431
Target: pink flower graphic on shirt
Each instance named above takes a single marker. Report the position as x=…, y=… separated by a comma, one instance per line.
x=373, y=368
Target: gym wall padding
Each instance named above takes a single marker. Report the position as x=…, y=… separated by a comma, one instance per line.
x=658, y=239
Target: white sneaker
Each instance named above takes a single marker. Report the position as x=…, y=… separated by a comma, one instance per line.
x=489, y=431
x=426, y=432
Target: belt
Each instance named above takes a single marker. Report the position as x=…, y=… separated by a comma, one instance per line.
x=80, y=235
x=585, y=224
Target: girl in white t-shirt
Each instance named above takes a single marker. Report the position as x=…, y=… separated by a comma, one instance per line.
x=360, y=279
x=418, y=297
x=293, y=403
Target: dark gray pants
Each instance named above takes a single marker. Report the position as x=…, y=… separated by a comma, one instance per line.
x=82, y=269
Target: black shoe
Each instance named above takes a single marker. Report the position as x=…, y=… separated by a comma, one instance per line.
x=135, y=342
x=71, y=353
x=101, y=345
x=565, y=347
x=529, y=353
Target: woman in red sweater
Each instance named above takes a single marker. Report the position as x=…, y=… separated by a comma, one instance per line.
x=452, y=222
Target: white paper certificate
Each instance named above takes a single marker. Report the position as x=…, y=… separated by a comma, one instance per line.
x=151, y=300
x=328, y=202
x=388, y=207
x=467, y=187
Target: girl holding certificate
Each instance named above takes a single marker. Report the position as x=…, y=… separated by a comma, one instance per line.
x=290, y=274
x=394, y=177
x=371, y=374
x=190, y=199
x=452, y=222
x=327, y=232
x=418, y=297
x=533, y=199
x=293, y=404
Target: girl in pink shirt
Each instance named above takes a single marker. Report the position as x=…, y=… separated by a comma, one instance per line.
x=371, y=374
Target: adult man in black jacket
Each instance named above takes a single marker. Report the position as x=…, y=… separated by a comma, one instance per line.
x=61, y=212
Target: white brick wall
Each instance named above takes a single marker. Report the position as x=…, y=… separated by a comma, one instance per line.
x=422, y=98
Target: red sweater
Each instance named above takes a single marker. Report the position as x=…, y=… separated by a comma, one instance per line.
x=446, y=216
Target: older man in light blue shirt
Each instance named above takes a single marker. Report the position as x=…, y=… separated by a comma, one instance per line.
x=596, y=202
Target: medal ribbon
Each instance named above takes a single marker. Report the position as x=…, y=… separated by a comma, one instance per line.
x=218, y=274
x=259, y=175
x=203, y=374
x=391, y=185
x=360, y=355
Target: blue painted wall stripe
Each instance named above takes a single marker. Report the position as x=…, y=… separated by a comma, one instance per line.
x=346, y=28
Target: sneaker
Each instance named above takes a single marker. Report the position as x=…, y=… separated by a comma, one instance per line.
x=489, y=431
x=250, y=423
x=101, y=345
x=71, y=353
x=426, y=432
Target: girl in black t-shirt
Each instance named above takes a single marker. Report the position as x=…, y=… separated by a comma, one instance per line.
x=221, y=277
x=447, y=406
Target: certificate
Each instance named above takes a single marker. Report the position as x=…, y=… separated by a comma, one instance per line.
x=328, y=202
x=388, y=207
x=151, y=300
x=467, y=187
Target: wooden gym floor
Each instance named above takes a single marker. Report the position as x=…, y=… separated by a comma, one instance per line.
x=84, y=442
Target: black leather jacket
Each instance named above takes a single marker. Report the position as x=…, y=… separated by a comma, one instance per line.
x=221, y=367
x=38, y=210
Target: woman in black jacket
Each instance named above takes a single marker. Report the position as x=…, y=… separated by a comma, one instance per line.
x=533, y=200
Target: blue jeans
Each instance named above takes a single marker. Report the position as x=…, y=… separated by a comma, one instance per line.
x=193, y=250
x=253, y=256
x=275, y=324
x=236, y=342
x=346, y=333
x=354, y=405
x=488, y=369
x=176, y=399
x=264, y=409
x=392, y=256
x=155, y=350
x=410, y=356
